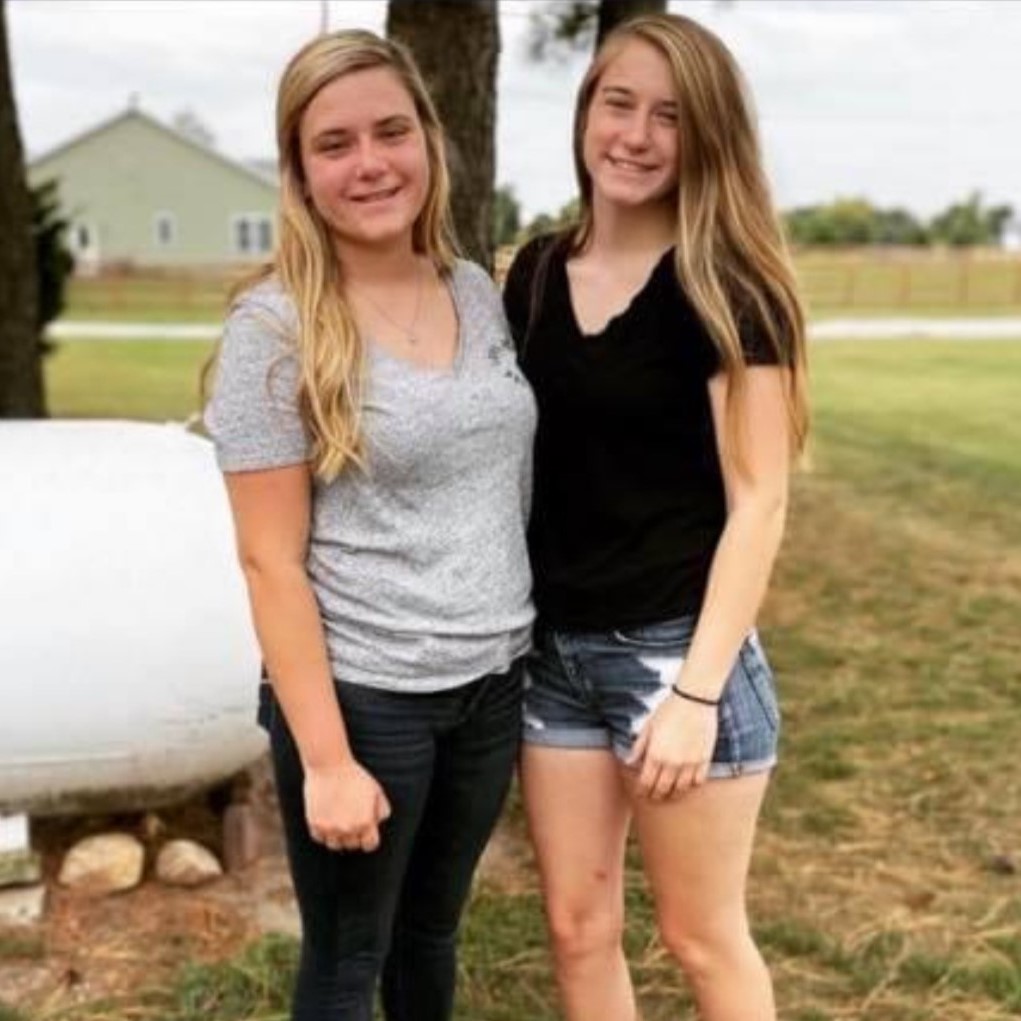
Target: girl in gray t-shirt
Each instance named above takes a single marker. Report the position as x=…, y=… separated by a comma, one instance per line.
x=375, y=435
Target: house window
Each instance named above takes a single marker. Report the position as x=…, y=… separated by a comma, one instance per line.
x=166, y=229
x=265, y=234
x=252, y=234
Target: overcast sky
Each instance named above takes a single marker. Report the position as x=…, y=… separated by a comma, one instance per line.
x=907, y=102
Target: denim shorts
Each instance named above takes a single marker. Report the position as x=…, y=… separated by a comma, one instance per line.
x=597, y=689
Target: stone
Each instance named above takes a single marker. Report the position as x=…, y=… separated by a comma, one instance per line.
x=240, y=836
x=1002, y=865
x=19, y=868
x=185, y=863
x=151, y=827
x=107, y=863
x=22, y=905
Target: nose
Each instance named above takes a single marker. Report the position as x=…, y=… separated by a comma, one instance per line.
x=370, y=158
x=636, y=131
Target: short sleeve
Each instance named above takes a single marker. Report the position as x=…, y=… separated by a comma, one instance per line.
x=253, y=415
x=756, y=345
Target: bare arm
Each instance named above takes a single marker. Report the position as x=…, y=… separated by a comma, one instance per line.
x=756, y=513
x=676, y=745
x=272, y=511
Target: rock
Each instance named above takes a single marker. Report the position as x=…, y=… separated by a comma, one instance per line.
x=240, y=836
x=103, y=864
x=19, y=868
x=150, y=827
x=1002, y=865
x=185, y=863
x=22, y=905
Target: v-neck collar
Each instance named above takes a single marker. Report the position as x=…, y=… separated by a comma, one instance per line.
x=614, y=319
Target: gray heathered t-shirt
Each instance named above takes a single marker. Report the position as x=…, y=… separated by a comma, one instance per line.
x=419, y=563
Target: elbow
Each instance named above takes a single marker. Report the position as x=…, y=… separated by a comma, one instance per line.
x=766, y=509
x=261, y=567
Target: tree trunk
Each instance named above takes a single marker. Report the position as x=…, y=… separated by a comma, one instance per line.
x=613, y=12
x=21, y=381
x=457, y=46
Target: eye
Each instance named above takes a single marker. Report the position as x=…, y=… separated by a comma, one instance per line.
x=394, y=132
x=334, y=146
x=667, y=117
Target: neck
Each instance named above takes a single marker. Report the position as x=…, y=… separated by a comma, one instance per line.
x=367, y=265
x=625, y=231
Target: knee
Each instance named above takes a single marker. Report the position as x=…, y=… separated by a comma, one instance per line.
x=581, y=935
x=705, y=951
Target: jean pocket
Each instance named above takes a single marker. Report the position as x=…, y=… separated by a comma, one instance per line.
x=666, y=634
x=760, y=679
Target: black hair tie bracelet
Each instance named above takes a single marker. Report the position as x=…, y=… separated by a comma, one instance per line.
x=697, y=699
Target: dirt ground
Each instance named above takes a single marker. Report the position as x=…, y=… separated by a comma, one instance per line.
x=87, y=948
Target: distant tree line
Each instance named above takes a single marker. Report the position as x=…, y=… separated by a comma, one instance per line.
x=856, y=221
x=843, y=222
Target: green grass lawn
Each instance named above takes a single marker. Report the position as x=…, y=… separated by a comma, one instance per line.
x=157, y=380
x=895, y=629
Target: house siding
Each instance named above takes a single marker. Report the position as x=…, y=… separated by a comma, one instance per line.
x=119, y=178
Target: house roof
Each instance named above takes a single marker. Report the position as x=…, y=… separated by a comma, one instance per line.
x=259, y=170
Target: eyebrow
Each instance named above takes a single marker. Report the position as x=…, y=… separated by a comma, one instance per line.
x=331, y=134
x=625, y=92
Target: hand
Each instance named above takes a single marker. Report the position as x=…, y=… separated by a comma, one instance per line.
x=674, y=748
x=344, y=806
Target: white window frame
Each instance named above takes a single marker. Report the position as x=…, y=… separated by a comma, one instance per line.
x=87, y=255
x=159, y=219
x=256, y=224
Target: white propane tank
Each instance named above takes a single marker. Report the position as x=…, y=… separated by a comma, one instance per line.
x=128, y=662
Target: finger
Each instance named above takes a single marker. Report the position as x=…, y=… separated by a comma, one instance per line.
x=370, y=838
x=649, y=776
x=638, y=749
x=383, y=810
x=701, y=775
x=666, y=783
x=686, y=778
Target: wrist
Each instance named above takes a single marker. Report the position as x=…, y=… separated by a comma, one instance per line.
x=696, y=697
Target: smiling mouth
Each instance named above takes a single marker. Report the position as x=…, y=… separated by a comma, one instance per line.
x=376, y=196
x=630, y=165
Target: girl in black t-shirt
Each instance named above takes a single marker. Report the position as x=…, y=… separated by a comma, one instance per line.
x=664, y=339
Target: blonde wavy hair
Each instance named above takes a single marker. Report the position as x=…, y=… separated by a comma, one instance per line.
x=329, y=349
x=730, y=257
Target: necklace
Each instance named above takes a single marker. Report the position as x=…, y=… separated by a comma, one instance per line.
x=409, y=330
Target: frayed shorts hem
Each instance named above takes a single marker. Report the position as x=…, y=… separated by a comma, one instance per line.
x=597, y=740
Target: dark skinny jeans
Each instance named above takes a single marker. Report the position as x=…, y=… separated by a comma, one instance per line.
x=445, y=761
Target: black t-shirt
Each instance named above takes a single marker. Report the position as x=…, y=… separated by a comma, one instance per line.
x=629, y=503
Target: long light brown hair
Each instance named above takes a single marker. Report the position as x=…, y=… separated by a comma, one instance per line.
x=329, y=349
x=730, y=255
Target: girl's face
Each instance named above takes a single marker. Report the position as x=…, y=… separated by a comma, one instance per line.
x=363, y=155
x=630, y=144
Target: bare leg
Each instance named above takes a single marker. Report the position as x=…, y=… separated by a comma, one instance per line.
x=697, y=849
x=578, y=817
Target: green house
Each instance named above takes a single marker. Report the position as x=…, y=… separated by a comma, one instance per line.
x=140, y=194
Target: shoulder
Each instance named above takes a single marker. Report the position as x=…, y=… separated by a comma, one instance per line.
x=527, y=258
x=268, y=302
x=471, y=275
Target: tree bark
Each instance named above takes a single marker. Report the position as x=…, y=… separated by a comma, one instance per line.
x=21, y=380
x=613, y=12
x=457, y=46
